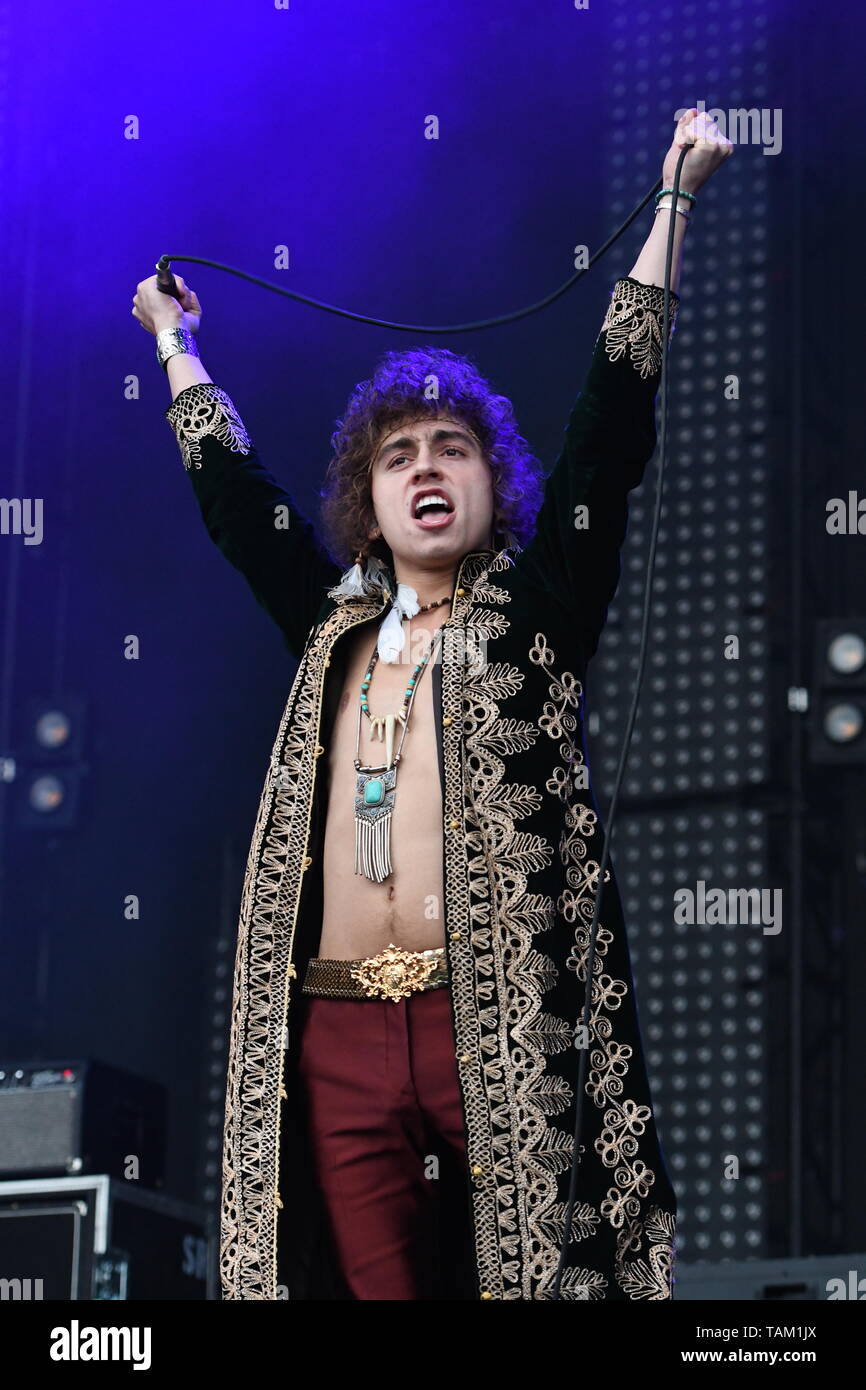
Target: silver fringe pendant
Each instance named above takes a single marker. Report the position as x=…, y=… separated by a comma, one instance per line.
x=376, y=787
x=374, y=801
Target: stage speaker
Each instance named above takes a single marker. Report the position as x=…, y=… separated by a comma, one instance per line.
x=80, y=1117
x=813, y=1279
x=93, y=1238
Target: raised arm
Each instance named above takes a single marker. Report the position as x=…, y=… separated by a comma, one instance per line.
x=610, y=436
x=611, y=433
x=248, y=515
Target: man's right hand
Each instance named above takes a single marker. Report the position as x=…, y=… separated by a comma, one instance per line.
x=156, y=310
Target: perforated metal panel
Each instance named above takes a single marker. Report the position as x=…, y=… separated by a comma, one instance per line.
x=701, y=743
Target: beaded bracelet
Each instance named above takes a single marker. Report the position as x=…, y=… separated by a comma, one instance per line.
x=682, y=194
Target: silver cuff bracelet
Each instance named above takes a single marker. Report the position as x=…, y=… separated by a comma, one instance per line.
x=170, y=341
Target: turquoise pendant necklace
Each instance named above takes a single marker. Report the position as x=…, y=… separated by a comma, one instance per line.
x=376, y=787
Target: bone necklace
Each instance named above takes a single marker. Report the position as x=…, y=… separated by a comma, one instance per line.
x=376, y=786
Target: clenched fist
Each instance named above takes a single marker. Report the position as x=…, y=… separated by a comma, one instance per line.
x=155, y=310
x=710, y=148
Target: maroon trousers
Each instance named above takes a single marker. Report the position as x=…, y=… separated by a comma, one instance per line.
x=385, y=1124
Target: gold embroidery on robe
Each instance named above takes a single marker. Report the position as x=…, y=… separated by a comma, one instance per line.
x=633, y=324
x=201, y=410
x=624, y=1121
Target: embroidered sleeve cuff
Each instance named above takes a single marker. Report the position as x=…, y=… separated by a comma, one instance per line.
x=632, y=326
x=202, y=410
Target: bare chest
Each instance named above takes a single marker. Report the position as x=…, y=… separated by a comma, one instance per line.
x=386, y=695
x=362, y=917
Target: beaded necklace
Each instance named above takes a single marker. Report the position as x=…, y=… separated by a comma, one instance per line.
x=376, y=787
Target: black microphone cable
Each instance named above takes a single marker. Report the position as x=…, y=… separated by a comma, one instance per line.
x=626, y=743
x=168, y=285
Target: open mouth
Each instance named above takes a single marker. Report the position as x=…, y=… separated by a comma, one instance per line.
x=433, y=510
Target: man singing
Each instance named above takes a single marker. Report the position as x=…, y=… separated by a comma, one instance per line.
x=414, y=927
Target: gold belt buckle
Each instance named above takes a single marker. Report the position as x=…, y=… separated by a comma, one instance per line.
x=394, y=973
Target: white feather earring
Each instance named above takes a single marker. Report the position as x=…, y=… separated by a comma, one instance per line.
x=356, y=582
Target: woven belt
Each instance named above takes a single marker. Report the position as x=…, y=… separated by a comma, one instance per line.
x=392, y=974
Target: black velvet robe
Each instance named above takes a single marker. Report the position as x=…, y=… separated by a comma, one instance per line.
x=521, y=844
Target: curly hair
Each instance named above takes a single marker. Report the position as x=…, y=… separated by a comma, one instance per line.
x=397, y=394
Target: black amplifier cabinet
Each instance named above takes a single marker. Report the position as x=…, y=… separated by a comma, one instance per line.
x=80, y=1117
x=96, y=1238
x=810, y=1279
